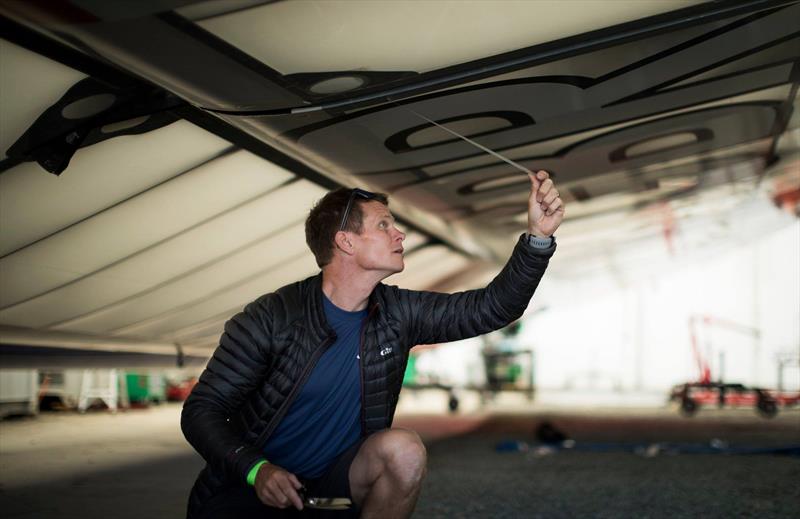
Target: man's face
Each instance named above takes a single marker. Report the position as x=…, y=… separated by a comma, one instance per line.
x=380, y=244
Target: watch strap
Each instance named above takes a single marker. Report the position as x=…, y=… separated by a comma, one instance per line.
x=540, y=243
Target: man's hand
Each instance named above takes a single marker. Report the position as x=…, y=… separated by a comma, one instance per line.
x=278, y=488
x=545, y=208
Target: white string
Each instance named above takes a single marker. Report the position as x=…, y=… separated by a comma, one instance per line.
x=480, y=146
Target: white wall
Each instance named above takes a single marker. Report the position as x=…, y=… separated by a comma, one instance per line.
x=605, y=331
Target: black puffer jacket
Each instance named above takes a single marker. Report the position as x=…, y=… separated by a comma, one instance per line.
x=268, y=350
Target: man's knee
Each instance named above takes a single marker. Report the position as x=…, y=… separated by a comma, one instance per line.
x=404, y=456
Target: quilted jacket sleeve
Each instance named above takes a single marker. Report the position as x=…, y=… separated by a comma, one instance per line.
x=237, y=367
x=433, y=317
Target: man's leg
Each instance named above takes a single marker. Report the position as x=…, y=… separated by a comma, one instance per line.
x=386, y=474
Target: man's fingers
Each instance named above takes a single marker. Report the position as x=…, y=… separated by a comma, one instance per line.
x=276, y=494
x=278, y=488
x=544, y=190
x=295, y=482
x=534, y=182
x=296, y=501
x=290, y=494
x=544, y=202
x=538, y=178
x=550, y=196
x=555, y=206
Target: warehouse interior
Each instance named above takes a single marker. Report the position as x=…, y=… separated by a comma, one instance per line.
x=160, y=159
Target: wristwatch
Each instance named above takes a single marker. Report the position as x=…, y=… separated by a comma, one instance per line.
x=541, y=243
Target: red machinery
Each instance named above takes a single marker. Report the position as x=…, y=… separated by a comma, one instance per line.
x=705, y=392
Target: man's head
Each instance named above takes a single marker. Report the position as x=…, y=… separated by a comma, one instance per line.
x=339, y=210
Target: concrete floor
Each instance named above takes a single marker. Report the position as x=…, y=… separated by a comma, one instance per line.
x=137, y=464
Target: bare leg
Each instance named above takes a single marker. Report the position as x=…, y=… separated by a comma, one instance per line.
x=386, y=474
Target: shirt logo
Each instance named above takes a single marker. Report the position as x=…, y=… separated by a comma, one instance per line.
x=386, y=351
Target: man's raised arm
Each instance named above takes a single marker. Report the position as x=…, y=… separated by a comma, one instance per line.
x=435, y=317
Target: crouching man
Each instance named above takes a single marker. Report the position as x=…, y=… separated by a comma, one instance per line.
x=298, y=399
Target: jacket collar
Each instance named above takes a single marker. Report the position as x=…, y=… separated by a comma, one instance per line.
x=316, y=311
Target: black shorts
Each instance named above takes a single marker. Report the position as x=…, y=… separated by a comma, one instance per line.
x=241, y=502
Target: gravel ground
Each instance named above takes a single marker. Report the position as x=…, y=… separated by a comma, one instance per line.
x=468, y=477
x=136, y=464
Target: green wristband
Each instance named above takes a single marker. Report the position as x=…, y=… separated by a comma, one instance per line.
x=251, y=476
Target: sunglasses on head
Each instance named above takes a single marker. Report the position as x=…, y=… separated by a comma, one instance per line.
x=366, y=195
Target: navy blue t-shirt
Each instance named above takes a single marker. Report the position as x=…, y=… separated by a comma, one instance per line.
x=324, y=420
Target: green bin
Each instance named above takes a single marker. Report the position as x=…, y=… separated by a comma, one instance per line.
x=138, y=387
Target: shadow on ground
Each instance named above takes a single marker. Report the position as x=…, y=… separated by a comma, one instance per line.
x=148, y=489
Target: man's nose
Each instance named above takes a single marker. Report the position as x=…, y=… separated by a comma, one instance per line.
x=400, y=234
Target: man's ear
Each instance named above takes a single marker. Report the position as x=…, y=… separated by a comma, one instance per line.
x=343, y=242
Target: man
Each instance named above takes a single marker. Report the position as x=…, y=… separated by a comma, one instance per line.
x=298, y=398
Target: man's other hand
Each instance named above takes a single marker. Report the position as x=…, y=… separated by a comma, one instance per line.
x=545, y=207
x=277, y=487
